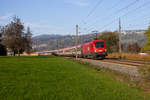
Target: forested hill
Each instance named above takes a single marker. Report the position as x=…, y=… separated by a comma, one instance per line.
x=51, y=42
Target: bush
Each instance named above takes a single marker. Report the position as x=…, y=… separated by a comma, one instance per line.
x=2, y=50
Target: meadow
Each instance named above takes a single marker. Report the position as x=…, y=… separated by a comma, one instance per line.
x=55, y=78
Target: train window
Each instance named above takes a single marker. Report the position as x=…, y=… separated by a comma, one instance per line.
x=99, y=44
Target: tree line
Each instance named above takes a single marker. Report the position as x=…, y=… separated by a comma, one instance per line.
x=14, y=38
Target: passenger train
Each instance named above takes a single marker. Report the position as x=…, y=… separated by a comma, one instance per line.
x=95, y=49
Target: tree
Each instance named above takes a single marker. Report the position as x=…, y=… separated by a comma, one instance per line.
x=111, y=39
x=134, y=48
x=146, y=47
x=28, y=40
x=13, y=35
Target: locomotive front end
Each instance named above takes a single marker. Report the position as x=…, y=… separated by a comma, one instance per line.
x=100, y=50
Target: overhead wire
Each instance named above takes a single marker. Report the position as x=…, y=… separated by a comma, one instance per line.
x=112, y=7
x=143, y=5
x=118, y=11
x=91, y=11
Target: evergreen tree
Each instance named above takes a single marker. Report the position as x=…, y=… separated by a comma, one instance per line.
x=28, y=40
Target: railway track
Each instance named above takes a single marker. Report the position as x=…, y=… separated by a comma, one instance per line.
x=123, y=62
x=127, y=62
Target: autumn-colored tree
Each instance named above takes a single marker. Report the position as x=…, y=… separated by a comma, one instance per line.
x=13, y=34
x=146, y=47
x=134, y=48
x=14, y=37
x=111, y=39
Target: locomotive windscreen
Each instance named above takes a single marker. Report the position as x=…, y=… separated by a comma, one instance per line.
x=99, y=44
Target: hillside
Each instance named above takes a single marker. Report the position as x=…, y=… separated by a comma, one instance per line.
x=52, y=42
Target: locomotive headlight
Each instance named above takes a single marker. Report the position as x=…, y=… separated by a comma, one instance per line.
x=100, y=50
x=95, y=50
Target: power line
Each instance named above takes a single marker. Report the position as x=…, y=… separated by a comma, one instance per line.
x=143, y=5
x=140, y=17
x=136, y=25
x=144, y=22
x=115, y=5
x=118, y=11
x=92, y=11
x=135, y=20
x=126, y=7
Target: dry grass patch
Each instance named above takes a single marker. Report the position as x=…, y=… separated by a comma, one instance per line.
x=130, y=56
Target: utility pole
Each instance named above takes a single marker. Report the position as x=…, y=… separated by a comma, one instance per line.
x=120, y=51
x=96, y=36
x=76, y=40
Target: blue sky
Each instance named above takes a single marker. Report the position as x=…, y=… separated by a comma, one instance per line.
x=61, y=16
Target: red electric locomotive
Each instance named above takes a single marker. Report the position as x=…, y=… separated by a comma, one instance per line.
x=95, y=49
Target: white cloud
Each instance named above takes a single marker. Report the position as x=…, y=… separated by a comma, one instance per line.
x=41, y=28
x=3, y=22
x=7, y=16
x=81, y=3
x=78, y=2
x=34, y=25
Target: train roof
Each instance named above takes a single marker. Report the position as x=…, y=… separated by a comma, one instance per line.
x=68, y=48
x=93, y=42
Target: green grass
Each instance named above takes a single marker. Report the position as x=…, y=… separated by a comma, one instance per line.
x=54, y=78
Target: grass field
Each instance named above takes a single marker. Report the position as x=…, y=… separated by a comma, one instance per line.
x=54, y=78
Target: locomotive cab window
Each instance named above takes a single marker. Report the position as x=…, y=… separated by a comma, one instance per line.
x=99, y=44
